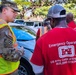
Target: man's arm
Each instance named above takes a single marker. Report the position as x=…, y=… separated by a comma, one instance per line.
x=38, y=70
x=8, y=52
x=39, y=74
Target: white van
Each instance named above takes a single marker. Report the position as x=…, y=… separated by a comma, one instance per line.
x=34, y=24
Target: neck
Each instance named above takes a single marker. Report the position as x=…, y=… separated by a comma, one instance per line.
x=62, y=24
x=3, y=17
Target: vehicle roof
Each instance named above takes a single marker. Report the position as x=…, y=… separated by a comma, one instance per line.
x=15, y=24
x=33, y=21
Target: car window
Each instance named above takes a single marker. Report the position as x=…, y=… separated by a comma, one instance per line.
x=29, y=23
x=40, y=24
x=19, y=21
x=24, y=29
x=36, y=25
x=23, y=33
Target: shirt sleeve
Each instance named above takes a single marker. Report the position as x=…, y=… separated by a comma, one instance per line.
x=38, y=34
x=37, y=69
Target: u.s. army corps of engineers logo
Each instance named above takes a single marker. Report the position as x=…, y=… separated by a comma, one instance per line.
x=66, y=51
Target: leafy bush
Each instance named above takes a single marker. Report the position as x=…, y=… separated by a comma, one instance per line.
x=41, y=11
x=70, y=8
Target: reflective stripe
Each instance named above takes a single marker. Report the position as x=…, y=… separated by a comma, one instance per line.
x=14, y=38
x=3, y=25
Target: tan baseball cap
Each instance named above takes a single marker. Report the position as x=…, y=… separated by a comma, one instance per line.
x=12, y=5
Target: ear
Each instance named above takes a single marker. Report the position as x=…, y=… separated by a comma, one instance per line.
x=52, y=20
x=4, y=10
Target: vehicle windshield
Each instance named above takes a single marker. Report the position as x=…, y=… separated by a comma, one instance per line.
x=23, y=33
x=19, y=21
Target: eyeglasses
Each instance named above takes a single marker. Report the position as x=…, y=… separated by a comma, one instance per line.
x=9, y=8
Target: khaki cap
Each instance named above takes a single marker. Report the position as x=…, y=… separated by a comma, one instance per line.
x=12, y=5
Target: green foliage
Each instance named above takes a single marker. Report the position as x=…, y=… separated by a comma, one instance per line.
x=22, y=3
x=42, y=10
x=70, y=8
x=72, y=1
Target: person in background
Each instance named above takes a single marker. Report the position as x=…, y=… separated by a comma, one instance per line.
x=9, y=53
x=70, y=20
x=55, y=51
x=44, y=29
